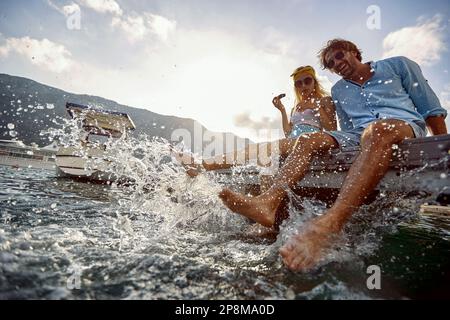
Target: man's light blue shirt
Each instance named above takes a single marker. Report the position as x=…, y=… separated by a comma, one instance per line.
x=397, y=90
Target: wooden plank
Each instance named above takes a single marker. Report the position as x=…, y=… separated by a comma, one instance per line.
x=411, y=153
x=432, y=209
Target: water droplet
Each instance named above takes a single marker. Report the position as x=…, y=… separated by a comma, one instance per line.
x=50, y=106
x=10, y=126
x=443, y=176
x=53, y=205
x=290, y=294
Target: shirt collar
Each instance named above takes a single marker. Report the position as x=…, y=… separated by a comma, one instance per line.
x=373, y=66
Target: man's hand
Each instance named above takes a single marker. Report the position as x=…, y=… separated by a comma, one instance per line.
x=436, y=125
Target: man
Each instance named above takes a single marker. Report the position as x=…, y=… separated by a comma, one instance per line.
x=379, y=104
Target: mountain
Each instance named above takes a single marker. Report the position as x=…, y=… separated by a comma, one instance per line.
x=27, y=107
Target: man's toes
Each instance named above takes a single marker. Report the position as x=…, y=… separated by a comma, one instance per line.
x=297, y=262
x=290, y=245
x=224, y=194
x=308, y=264
x=286, y=258
x=289, y=257
x=284, y=251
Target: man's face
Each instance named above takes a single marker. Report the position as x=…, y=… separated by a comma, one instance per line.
x=342, y=62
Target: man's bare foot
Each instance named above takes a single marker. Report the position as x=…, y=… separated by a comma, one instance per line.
x=260, y=209
x=303, y=251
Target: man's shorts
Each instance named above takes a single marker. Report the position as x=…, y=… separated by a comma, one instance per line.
x=353, y=138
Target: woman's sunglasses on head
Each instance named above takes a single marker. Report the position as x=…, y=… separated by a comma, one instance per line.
x=305, y=82
x=337, y=56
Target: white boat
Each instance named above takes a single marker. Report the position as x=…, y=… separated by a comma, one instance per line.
x=16, y=154
x=88, y=159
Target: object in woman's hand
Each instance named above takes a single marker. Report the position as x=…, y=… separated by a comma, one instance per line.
x=281, y=96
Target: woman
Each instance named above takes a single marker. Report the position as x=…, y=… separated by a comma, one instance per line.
x=314, y=111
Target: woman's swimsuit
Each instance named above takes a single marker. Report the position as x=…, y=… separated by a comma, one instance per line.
x=304, y=122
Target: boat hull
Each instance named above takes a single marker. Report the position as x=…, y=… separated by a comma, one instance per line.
x=26, y=163
x=84, y=163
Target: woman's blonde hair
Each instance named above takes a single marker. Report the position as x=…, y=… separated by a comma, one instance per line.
x=320, y=91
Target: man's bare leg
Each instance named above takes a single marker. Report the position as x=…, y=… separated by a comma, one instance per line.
x=303, y=251
x=262, y=208
x=261, y=152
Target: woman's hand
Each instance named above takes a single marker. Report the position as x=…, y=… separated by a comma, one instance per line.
x=277, y=102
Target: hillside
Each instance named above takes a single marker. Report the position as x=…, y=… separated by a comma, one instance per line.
x=31, y=107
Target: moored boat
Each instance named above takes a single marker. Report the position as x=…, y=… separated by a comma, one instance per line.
x=16, y=154
x=89, y=158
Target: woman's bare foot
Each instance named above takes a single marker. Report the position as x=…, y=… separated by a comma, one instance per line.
x=193, y=170
x=187, y=161
x=303, y=251
x=260, y=209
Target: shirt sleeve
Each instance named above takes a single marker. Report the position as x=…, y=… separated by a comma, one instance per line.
x=420, y=92
x=345, y=124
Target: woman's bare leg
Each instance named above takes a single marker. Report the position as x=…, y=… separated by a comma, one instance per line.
x=262, y=153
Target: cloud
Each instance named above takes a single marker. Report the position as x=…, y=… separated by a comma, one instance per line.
x=325, y=82
x=54, y=6
x=161, y=26
x=445, y=97
x=137, y=27
x=206, y=75
x=43, y=53
x=274, y=42
x=102, y=6
x=423, y=42
x=243, y=120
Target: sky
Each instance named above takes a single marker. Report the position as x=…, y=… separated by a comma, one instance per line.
x=218, y=62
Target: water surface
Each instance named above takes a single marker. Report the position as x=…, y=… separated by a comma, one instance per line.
x=63, y=239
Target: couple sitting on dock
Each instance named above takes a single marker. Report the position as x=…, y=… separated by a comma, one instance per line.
x=378, y=104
